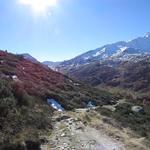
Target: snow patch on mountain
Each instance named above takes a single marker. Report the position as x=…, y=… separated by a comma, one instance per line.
x=85, y=58
x=147, y=35
x=123, y=49
x=99, y=52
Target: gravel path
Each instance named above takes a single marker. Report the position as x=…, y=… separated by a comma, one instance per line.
x=70, y=133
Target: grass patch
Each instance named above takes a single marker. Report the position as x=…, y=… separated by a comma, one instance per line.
x=138, y=122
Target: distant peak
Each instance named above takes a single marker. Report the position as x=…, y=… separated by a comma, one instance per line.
x=147, y=35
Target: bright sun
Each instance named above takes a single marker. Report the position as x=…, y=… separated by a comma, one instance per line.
x=39, y=6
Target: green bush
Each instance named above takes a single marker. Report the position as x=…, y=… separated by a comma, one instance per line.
x=138, y=122
x=23, y=99
x=7, y=100
x=5, y=89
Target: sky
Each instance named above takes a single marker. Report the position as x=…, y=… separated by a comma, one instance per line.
x=57, y=30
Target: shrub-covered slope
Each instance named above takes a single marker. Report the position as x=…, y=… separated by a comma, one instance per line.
x=134, y=75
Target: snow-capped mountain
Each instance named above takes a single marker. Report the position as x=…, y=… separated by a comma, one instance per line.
x=120, y=50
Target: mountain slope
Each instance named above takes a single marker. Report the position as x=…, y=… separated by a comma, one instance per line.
x=24, y=89
x=29, y=57
x=133, y=74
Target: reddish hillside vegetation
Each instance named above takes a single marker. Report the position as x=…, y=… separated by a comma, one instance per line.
x=35, y=77
x=38, y=80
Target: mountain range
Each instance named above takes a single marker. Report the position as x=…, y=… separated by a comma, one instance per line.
x=116, y=51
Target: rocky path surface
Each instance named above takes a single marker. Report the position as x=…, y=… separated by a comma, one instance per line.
x=72, y=132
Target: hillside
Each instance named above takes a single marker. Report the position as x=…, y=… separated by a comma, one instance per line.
x=133, y=74
x=24, y=89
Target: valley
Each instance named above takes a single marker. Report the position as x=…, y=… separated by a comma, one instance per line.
x=74, y=75
x=97, y=103
x=122, y=69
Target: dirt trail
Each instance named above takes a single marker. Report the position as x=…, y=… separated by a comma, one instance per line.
x=72, y=132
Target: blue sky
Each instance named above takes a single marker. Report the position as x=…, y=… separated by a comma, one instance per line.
x=71, y=27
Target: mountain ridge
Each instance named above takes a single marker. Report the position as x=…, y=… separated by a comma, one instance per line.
x=117, y=50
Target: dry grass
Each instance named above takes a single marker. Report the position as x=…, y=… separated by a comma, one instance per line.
x=62, y=126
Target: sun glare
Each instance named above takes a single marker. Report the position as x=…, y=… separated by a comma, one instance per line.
x=39, y=6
